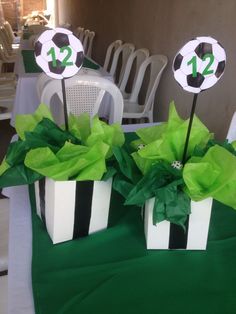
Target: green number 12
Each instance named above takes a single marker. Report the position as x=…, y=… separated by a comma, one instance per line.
x=207, y=70
x=65, y=61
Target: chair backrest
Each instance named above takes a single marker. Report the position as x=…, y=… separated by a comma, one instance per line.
x=231, y=136
x=78, y=31
x=139, y=56
x=86, y=39
x=9, y=31
x=110, y=53
x=42, y=80
x=84, y=93
x=157, y=64
x=91, y=36
x=5, y=41
x=4, y=51
x=124, y=51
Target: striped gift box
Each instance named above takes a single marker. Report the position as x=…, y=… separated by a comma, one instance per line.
x=166, y=235
x=73, y=209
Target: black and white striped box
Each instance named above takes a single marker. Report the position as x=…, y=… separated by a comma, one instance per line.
x=166, y=235
x=73, y=209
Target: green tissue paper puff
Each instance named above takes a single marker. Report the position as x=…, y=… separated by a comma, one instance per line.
x=45, y=149
x=213, y=175
x=210, y=170
x=165, y=142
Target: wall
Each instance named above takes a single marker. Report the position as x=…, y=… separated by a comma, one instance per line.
x=32, y=5
x=10, y=11
x=164, y=26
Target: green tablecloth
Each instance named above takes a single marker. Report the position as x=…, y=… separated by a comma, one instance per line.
x=111, y=272
x=31, y=66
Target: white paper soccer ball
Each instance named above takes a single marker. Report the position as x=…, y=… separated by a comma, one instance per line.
x=199, y=64
x=59, y=53
x=177, y=164
x=140, y=146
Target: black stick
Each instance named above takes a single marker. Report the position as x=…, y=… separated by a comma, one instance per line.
x=189, y=128
x=64, y=103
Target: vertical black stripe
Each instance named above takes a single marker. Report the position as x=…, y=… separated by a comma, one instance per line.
x=178, y=237
x=83, y=203
x=42, y=199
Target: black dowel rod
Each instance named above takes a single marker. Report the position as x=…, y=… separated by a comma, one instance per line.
x=189, y=128
x=64, y=103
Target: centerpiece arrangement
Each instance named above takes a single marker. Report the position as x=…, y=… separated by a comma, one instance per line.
x=176, y=197
x=67, y=167
x=172, y=170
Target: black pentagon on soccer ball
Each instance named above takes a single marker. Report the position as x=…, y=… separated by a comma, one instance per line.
x=79, y=59
x=220, y=69
x=38, y=48
x=177, y=61
x=195, y=81
x=61, y=40
x=58, y=69
x=202, y=49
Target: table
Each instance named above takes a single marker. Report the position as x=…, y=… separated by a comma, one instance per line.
x=27, y=100
x=165, y=281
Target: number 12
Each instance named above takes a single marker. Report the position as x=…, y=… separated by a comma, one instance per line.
x=207, y=70
x=65, y=61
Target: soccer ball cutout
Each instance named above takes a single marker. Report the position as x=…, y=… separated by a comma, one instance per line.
x=177, y=164
x=199, y=64
x=59, y=53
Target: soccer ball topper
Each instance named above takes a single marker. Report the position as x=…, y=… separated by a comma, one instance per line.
x=199, y=64
x=59, y=53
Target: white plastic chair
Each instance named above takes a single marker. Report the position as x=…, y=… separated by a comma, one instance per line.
x=12, y=38
x=84, y=93
x=86, y=40
x=5, y=43
x=7, y=78
x=110, y=53
x=132, y=109
x=89, y=47
x=7, y=94
x=42, y=80
x=124, y=52
x=137, y=57
x=231, y=136
x=78, y=31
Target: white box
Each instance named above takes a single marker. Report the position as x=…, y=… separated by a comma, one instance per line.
x=73, y=209
x=157, y=236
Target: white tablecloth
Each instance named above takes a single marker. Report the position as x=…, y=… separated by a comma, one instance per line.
x=20, y=298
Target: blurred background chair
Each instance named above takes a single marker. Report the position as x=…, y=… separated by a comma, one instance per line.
x=7, y=94
x=11, y=49
x=119, y=61
x=79, y=32
x=84, y=93
x=132, y=108
x=134, y=62
x=231, y=136
x=110, y=54
x=14, y=40
x=89, y=47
